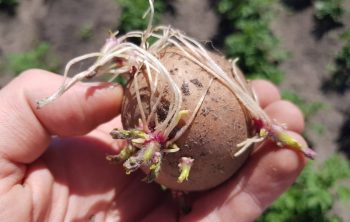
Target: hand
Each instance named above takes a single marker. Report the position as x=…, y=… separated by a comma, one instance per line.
x=44, y=177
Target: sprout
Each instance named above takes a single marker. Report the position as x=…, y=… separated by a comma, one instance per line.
x=185, y=168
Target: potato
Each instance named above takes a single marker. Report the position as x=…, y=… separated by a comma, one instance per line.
x=189, y=124
x=211, y=140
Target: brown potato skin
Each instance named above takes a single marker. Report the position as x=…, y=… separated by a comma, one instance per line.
x=220, y=124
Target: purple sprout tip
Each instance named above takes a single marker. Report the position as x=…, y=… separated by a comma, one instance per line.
x=309, y=153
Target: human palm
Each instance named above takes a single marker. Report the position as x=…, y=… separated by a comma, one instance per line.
x=66, y=177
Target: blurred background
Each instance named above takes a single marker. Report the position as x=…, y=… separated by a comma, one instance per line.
x=301, y=45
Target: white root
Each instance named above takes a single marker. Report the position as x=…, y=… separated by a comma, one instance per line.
x=146, y=58
x=64, y=87
x=139, y=103
x=154, y=108
x=243, y=146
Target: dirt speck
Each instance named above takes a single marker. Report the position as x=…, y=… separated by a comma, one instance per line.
x=162, y=110
x=185, y=89
x=205, y=111
x=197, y=83
x=214, y=99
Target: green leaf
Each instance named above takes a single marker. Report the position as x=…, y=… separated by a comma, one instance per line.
x=308, y=108
x=311, y=197
x=39, y=57
x=8, y=3
x=133, y=10
x=253, y=41
x=329, y=9
x=343, y=193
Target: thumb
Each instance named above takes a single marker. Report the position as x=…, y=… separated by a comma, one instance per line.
x=26, y=131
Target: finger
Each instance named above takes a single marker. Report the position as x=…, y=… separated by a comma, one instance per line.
x=266, y=175
x=102, y=133
x=108, y=126
x=166, y=211
x=285, y=112
x=25, y=131
x=266, y=92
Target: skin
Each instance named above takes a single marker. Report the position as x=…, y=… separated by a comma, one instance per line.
x=66, y=178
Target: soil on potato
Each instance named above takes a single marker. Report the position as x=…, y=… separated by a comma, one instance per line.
x=312, y=47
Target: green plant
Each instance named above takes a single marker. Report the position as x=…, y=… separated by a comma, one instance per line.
x=313, y=195
x=39, y=57
x=340, y=79
x=309, y=109
x=121, y=80
x=132, y=11
x=329, y=9
x=86, y=32
x=252, y=40
x=8, y=5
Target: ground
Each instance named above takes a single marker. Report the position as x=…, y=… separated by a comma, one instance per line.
x=61, y=23
x=306, y=71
